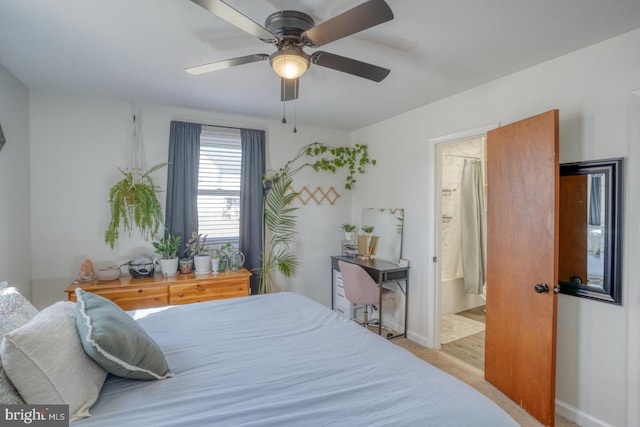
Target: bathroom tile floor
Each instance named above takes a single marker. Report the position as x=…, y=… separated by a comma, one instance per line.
x=469, y=349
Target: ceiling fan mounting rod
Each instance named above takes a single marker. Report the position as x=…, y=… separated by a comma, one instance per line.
x=289, y=25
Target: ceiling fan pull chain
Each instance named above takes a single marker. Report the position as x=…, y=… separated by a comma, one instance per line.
x=295, y=116
x=284, y=113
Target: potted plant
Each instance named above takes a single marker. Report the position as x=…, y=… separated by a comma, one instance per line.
x=197, y=248
x=367, y=229
x=349, y=231
x=167, y=248
x=367, y=244
x=185, y=265
x=134, y=203
x=279, y=215
x=223, y=255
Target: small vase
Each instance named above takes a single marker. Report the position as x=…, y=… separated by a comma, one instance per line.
x=215, y=265
x=186, y=265
x=202, y=263
x=236, y=260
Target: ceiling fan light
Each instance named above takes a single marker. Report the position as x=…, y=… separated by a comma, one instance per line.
x=289, y=64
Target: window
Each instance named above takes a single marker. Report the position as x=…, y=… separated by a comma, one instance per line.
x=219, y=184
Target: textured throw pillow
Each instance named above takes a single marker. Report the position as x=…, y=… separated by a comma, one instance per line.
x=45, y=361
x=116, y=341
x=15, y=311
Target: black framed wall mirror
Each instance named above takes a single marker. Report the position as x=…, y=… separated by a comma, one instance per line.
x=590, y=225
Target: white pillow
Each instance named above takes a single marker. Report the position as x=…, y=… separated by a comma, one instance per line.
x=15, y=311
x=46, y=362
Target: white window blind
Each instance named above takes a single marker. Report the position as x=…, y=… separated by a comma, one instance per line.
x=219, y=184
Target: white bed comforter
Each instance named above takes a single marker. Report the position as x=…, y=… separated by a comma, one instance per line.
x=284, y=360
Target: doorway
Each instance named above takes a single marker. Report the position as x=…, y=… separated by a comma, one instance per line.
x=461, y=239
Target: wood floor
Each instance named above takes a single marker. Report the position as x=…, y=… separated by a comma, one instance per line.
x=469, y=349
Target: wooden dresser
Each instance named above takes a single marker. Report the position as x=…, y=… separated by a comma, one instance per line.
x=158, y=291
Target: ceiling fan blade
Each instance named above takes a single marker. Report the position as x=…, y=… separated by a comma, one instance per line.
x=366, y=15
x=233, y=17
x=351, y=66
x=228, y=63
x=289, y=89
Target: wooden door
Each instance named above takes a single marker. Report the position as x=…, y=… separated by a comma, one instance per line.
x=522, y=247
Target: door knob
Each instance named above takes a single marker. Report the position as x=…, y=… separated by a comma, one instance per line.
x=541, y=288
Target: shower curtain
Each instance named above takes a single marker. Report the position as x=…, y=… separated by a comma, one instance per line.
x=473, y=228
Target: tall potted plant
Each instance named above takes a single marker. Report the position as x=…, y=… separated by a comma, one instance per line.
x=134, y=203
x=279, y=214
x=197, y=248
x=167, y=248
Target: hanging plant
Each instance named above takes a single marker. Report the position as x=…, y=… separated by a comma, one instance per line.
x=355, y=159
x=280, y=218
x=134, y=203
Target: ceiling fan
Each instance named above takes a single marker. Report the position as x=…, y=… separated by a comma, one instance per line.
x=290, y=31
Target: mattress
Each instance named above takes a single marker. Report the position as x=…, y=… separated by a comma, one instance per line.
x=284, y=360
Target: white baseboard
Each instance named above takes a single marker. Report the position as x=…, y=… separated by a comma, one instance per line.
x=577, y=416
x=419, y=339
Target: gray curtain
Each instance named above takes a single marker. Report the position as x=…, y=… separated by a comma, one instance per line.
x=473, y=228
x=251, y=201
x=181, y=217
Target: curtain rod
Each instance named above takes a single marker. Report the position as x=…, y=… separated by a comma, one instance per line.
x=216, y=126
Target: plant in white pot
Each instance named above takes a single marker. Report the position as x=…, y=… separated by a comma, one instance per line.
x=197, y=247
x=167, y=248
x=349, y=231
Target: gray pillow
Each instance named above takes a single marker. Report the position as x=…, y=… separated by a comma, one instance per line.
x=15, y=311
x=116, y=341
x=45, y=361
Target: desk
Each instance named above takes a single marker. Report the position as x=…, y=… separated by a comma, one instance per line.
x=382, y=272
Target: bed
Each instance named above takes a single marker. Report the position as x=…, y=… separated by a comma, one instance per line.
x=283, y=360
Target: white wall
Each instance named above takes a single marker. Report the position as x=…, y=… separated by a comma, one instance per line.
x=77, y=145
x=15, y=233
x=591, y=88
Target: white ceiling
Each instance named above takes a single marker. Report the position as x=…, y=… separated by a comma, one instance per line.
x=136, y=50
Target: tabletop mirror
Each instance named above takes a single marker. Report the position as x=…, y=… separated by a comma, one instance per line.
x=388, y=224
x=590, y=229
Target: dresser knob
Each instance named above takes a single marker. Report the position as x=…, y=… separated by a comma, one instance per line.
x=157, y=298
x=180, y=294
x=140, y=291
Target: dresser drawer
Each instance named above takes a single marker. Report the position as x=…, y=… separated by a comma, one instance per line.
x=135, y=298
x=158, y=291
x=204, y=291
